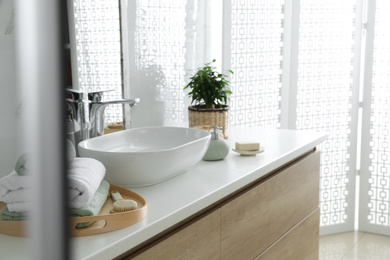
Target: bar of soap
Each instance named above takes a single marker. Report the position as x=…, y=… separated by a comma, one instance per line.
x=247, y=146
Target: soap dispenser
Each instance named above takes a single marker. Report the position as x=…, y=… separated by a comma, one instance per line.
x=218, y=148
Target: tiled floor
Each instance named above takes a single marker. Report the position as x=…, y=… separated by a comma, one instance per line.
x=354, y=246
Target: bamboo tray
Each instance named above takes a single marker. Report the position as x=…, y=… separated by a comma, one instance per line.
x=102, y=223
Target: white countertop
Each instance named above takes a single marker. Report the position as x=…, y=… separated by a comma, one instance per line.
x=176, y=199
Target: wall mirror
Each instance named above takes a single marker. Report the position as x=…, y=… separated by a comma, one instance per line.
x=9, y=99
x=159, y=41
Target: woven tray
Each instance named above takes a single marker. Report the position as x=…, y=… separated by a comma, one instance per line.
x=104, y=222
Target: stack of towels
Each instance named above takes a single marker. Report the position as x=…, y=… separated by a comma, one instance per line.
x=88, y=190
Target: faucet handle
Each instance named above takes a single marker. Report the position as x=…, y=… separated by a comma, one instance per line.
x=136, y=101
x=96, y=96
x=74, y=94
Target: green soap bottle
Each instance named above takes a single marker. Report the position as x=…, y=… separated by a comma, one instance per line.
x=218, y=148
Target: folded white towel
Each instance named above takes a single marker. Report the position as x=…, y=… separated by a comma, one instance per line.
x=12, y=182
x=19, y=207
x=84, y=178
x=20, y=195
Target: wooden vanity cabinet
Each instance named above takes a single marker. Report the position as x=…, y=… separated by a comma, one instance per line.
x=301, y=242
x=253, y=221
x=200, y=240
x=274, y=218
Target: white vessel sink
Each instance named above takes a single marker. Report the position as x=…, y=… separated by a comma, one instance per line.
x=145, y=156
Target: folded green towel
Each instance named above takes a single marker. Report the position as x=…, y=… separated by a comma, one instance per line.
x=91, y=209
x=5, y=214
x=22, y=166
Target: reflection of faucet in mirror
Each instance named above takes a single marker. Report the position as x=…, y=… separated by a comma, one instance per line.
x=77, y=119
x=85, y=123
x=96, y=111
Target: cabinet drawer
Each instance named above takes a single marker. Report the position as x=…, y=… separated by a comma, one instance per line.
x=200, y=240
x=256, y=219
x=300, y=243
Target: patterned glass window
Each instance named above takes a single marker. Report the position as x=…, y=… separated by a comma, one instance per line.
x=98, y=50
x=256, y=55
x=379, y=169
x=324, y=97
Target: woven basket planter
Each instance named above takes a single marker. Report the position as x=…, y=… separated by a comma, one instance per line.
x=203, y=118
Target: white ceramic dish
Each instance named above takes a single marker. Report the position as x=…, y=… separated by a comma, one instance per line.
x=249, y=153
x=149, y=155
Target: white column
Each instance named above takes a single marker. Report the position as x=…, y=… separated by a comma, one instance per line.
x=290, y=64
x=38, y=55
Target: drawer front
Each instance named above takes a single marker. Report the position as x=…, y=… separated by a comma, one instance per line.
x=300, y=243
x=253, y=221
x=200, y=240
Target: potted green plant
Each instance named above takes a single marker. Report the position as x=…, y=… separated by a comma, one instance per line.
x=209, y=93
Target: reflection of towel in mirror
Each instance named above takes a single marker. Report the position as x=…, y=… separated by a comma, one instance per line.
x=17, y=200
x=22, y=166
x=84, y=178
x=12, y=182
x=19, y=195
x=6, y=214
x=19, y=207
x=91, y=209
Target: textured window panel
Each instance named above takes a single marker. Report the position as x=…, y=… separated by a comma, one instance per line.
x=379, y=180
x=160, y=40
x=98, y=51
x=256, y=55
x=324, y=96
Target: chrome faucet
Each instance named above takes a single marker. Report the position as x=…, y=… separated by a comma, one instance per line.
x=96, y=111
x=77, y=119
